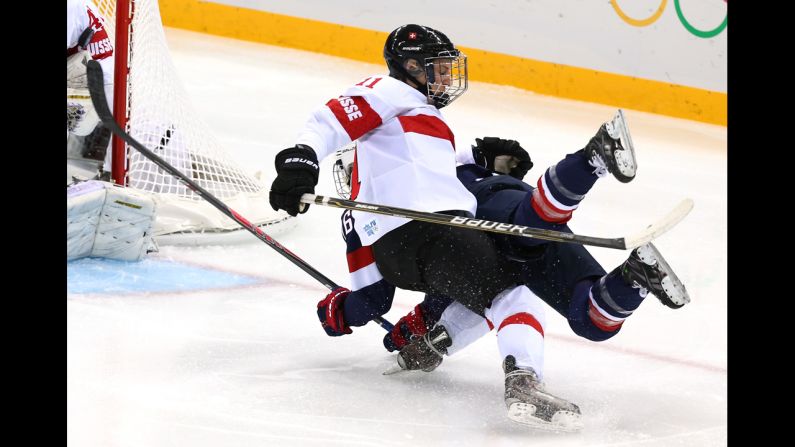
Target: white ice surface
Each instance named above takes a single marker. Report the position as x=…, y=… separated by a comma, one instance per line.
x=251, y=366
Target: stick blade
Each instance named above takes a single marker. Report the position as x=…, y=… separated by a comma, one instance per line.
x=662, y=226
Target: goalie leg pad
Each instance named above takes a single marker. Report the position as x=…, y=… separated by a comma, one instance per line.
x=108, y=221
x=83, y=204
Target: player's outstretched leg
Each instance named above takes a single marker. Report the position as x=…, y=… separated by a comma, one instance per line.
x=611, y=150
x=600, y=306
x=528, y=403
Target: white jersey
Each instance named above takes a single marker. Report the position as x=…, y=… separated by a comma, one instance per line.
x=80, y=15
x=405, y=155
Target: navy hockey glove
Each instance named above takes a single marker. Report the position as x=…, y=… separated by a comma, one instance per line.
x=329, y=310
x=489, y=148
x=406, y=329
x=296, y=175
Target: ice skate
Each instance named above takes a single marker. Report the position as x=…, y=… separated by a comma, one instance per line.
x=424, y=353
x=647, y=269
x=611, y=150
x=528, y=403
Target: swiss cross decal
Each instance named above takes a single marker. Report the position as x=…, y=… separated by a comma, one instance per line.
x=412, y=35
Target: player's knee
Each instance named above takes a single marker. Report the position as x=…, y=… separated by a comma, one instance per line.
x=382, y=307
x=584, y=321
x=588, y=330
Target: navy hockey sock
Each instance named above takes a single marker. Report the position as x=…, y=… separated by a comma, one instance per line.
x=598, y=308
x=562, y=187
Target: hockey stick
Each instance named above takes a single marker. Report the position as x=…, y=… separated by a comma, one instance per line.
x=622, y=243
x=96, y=87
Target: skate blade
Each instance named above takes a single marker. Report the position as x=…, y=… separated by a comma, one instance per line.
x=393, y=370
x=625, y=160
x=562, y=421
x=673, y=287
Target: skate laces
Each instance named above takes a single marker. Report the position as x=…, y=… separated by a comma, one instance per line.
x=598, y=162
x=442, y=335
x=523, y=372
x=433, y=348
x=642, y=290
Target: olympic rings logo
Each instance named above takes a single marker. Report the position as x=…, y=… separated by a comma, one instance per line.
x=656, y=15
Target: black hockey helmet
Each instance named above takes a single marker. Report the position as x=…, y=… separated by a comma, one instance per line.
x=427, y=45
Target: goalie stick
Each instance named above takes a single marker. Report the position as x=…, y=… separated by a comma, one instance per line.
x=622, y=243
x=97, y=90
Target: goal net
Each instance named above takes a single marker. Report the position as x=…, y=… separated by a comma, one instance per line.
x=150, y=102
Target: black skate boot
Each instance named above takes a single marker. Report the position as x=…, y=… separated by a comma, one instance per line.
x=611, y=150
x=529, y=404
x=426, y=352
x=647, y=269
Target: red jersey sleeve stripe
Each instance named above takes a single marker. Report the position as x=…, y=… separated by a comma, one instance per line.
x=427, y=125
x=355, y=115
x=361, y=257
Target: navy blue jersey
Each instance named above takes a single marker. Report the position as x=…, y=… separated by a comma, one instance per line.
x=549, y=269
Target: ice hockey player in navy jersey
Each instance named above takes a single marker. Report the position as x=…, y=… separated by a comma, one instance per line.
x=406, y=157
x=564, y=275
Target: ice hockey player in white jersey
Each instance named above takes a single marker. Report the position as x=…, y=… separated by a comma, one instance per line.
x=406, y=158
x=87, y=140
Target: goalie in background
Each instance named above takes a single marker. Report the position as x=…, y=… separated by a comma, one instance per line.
x=102, y=219
x=87, y=140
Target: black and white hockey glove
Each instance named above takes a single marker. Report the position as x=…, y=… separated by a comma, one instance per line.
x=488, y=149
x=296, y=175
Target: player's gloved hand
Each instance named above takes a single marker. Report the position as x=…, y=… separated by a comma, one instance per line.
x=329, y=310
x=487, y=150
x=406, y=329
x=296, y=175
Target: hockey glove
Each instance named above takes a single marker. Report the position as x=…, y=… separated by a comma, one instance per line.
x=487, y=149
x=407, y=329
x=329, y=310
x=296, y=175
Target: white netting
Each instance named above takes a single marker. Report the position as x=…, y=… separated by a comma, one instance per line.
x=162, y=119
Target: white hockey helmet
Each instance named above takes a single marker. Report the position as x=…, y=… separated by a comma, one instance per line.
x=342, y=169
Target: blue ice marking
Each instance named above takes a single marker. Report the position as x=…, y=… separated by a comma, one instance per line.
x=106, y=276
